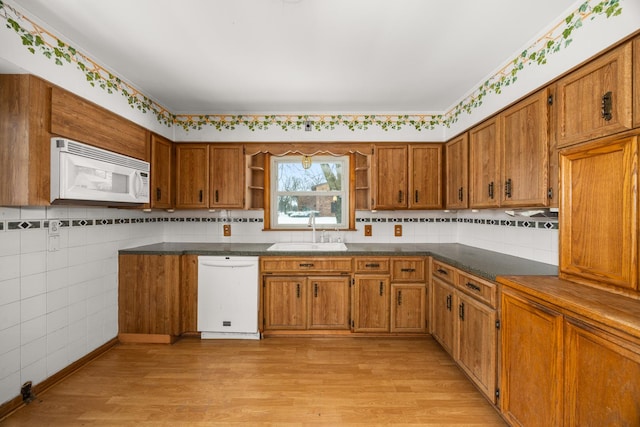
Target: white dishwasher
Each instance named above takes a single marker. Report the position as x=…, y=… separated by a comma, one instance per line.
x=228, y=297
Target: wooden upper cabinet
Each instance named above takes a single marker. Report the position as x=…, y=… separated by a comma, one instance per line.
x=525, y=152
x=596, y=99
x=636, y=82
x=227, y=176
x=425, y=179
x=162, y=194
x=484, y=165
x=599, y=213
x=83, y=121
x=457, y=172
x=192, y=175
x=25, y=147
x=391, y=176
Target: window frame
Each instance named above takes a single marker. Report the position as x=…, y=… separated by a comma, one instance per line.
x=348, y=209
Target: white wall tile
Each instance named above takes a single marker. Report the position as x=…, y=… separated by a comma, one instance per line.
x=56, y=340
x=9, y=315
x=33, y=307
x=35, y=372
x=32, y=212
x=9, y=243
x=9, y=363
x=33, y=351
x=57, y=360
x=33, y=285
x=9, y=291
x=57, y=260
x=33, y=329
x=32, y=240
x=33, y=263
x=7, y=214
x=10, y=339
x=9, y=267
x=10, y=386
x=57, y=299
x=58, y=319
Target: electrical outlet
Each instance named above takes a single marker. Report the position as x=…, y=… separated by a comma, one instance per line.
x=397, y=230
x=226, y=230
x=367, y=230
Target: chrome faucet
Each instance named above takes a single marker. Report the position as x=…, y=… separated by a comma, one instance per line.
x=312, y=224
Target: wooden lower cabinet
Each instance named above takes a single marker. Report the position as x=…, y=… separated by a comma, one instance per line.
x=149, y=298
x=477, y=336
x=602, y=378
x=408, y=307
x=441, y=311
x=300, y=303
x=371, y=303
x=531, y=371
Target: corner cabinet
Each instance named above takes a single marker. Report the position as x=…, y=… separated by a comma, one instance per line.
x=599, y=213
x=463, y=320
x=457, y=173
x=596, y=100
x=570, y=354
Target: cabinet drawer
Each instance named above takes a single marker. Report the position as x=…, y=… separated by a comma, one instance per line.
x=480, y=289
x=371, y=265
x=297, y=264
x=407, y=269
x=443, y=271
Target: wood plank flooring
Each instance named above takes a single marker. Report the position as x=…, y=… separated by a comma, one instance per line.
x=275, y=381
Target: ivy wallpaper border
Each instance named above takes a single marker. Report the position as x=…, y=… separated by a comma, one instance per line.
x=36, y=38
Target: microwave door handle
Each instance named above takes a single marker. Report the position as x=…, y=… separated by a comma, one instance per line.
x=137, y=184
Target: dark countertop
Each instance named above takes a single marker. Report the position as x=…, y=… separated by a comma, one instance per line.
x=480, y=262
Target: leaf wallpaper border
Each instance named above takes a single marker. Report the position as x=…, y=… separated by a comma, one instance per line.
x=36, y=38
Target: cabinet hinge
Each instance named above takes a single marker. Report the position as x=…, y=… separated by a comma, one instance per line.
x=353, y=281
x=497, y=393
x=497, y=324
x=353, y=324
x=372, y=150
x=550, y=193
x=550, y=100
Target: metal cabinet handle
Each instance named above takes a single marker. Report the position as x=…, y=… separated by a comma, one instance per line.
x=461, y=311
x=507, y=188
x=200, y=196
x=460, y=193
x=400, y=196
x=441, y=271
x=298, y=290
x=416, y=196
x=315, y=290
x=606, y=106
x=158, y=194
x=407, y=270
x=490, y=190
x=307, y=264
x=381, y=288
x=216, y=196
x=373, y=265
x=473, y=286
x=399, y=297
x=449, y=302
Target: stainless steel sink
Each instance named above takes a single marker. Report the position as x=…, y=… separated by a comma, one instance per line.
x=307, y=246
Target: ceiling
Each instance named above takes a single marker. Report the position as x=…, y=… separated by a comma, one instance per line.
x=300, y=56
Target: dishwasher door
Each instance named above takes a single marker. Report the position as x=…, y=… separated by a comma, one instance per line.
x=228, y=297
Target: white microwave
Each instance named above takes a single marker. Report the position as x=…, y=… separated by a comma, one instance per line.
x=83, y=173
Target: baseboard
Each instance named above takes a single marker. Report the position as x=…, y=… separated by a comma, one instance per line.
x=147, y=338
x=16, y=403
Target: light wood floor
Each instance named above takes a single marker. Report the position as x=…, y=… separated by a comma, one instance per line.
x=275, y=381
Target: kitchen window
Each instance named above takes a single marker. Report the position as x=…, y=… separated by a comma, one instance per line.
x=310, y=188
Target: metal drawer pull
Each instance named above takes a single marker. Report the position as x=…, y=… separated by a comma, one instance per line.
x=315, y=290
x=298, y=290
x=381, y=288
x=472, y=286
x=308, y=264
x=449, y=302
x=372, y=265
x=461, y=311
x=441, y=271
x=399, y=298
x=407, y=270
x=606, y=106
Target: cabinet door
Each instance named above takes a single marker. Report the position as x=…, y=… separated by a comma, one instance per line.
x=189, y=293
x=227, y=176
x=484, y=165
x=602, y=377
x=161, y=173
x=595, y=100
x=456, y=160
x=408, y=307
x=285, y=303
x=329, y=303
x=371, y=304
x=477, y=344
x=391, y=177
x=192, y=176
x=599, y=213
x=525, y=152
x=636, y=82
x=531, y=363
x=442, y=315
x=425, y=180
